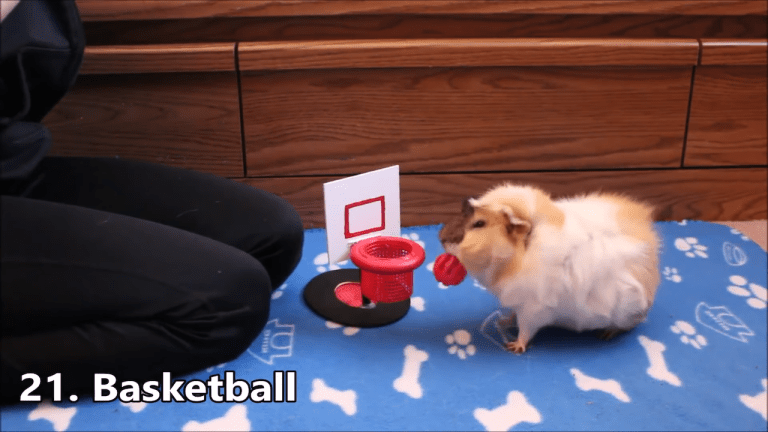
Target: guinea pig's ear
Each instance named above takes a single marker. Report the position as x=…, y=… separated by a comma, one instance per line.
x=517, y=225
x=468, y=207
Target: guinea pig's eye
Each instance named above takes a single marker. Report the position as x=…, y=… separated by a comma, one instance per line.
x=478, y=223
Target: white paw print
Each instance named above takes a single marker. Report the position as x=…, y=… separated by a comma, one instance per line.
x=478, y=285
x=134, y=406
x=691, y=247
x=688, y=331
x=734, y=231
x=322, y=260
x=431, y=267
x=459, y=344
x=671, y=274
x=683, y=222
x=348, y=331
x=414, y=237
x=279, y=292
x=417, y=303
x=759, y=292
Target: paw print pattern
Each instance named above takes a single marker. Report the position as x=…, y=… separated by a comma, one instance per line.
x=417, y=303
x=683, y=222
x=671, y=274
x=478, y=285
x=459, y=344
x=691, y=247
x=414, y=237
x=736, y=232
x=757, y=295
x=348, y=331
x=688, y=334
x=136, y=406
x=321, y=261
x=279, y=292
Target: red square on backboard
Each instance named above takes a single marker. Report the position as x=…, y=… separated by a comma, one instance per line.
x=348, y=233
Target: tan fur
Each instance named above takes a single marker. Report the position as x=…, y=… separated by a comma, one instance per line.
x=477, y=253
x=552, y=215
x=543, y=207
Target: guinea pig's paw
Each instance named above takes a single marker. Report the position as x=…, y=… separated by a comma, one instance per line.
x=609, y=334
x=517, y=347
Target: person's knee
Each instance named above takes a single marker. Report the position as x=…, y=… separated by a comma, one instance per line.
x=280, y=248
x=293, y=238
x=240, y=310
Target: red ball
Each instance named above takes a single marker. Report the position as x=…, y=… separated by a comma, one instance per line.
x=449, y=270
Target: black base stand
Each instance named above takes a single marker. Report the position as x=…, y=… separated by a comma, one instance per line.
x=320, y=296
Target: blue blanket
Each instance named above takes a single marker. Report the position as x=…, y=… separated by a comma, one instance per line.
x=697, y=363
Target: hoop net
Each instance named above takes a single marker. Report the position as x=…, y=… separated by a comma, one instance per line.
x=386, y=267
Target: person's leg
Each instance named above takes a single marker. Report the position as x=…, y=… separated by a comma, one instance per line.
x=86, y=291
x=252, y=220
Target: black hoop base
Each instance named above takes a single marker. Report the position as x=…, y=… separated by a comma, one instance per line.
x=320, y=296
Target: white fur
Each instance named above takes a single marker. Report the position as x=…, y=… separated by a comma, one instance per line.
x=578, y=273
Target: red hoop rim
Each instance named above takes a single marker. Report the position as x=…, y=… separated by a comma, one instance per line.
x=364, y=260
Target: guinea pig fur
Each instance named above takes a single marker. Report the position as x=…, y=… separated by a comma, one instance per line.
x=583, y=263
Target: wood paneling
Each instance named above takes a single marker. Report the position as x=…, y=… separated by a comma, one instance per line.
x=699, y=194
x=187, y=120
x=463, y=119
x=466, y=52
x=734, y=52
x=158, y=58
x=594, y=96
x=304, y=28
x=105, y=10
x=728, y=117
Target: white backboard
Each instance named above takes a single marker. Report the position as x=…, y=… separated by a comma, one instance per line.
x=359, y=207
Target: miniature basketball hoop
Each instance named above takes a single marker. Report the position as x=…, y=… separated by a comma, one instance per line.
x=377, y=294
x=363, y=223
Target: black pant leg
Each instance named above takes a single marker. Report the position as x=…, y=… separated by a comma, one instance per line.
x=86, y=291
x=252, y=220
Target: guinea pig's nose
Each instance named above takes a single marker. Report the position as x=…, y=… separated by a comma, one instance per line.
x=442, y=234
x=452, y=232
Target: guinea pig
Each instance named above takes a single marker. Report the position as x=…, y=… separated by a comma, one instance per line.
x=583, y=263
